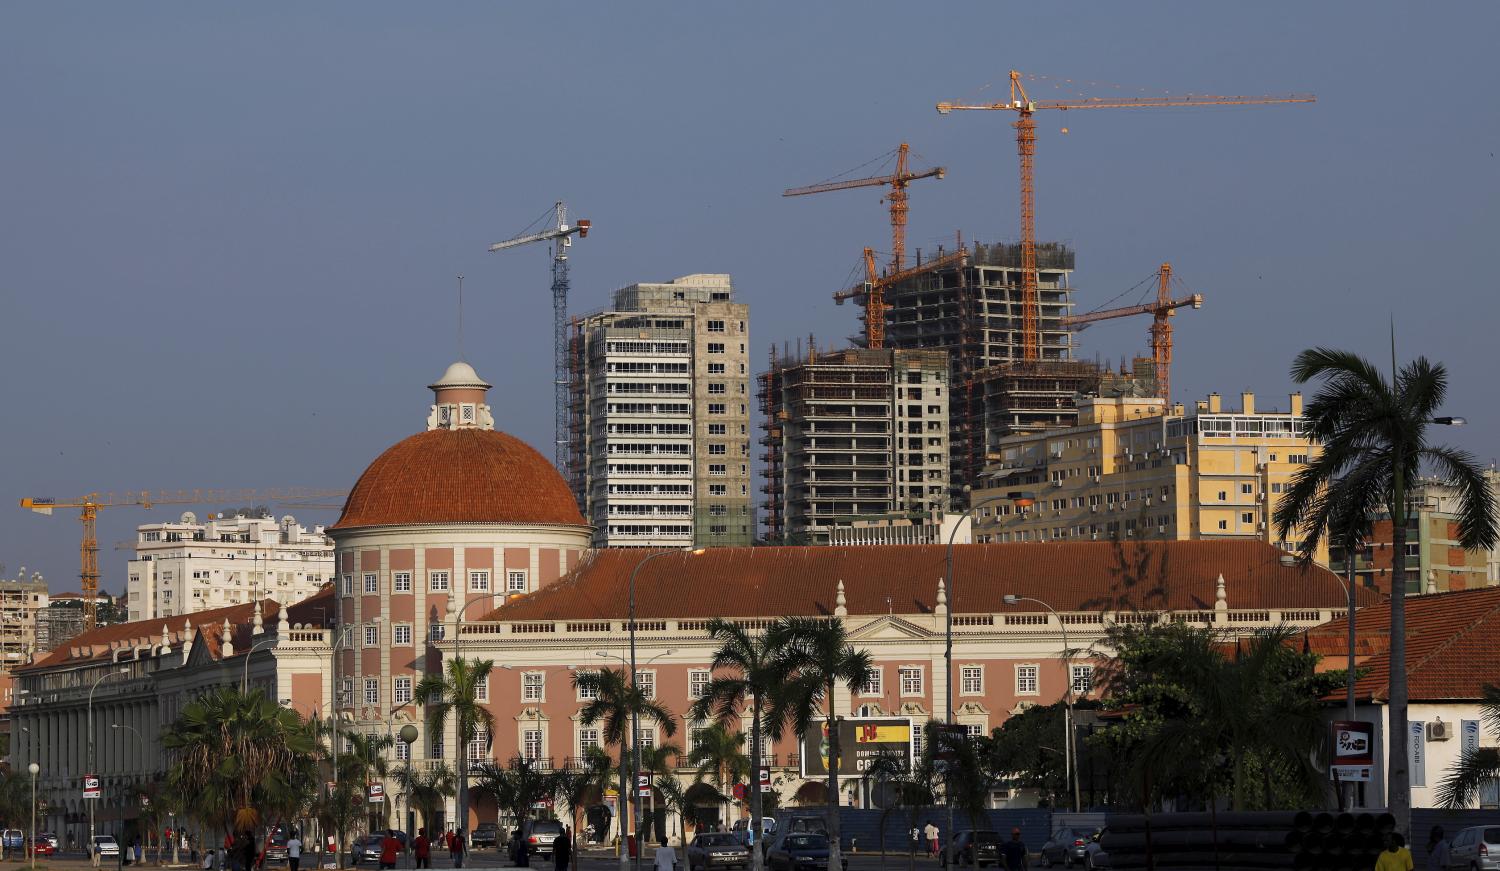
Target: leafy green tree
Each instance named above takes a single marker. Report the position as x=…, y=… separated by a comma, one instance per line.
x=747, y=668
x=455, y=694
x=966, y=778
x=1374, y=437
x=718, y=757
x=1476, y=767
x=516, y=786
x=674, y=798
x=426, y=790
x=574, y=788
x=819, y=658
x=239, y=754
x=366, y=758
x=1028, y=750
x=613, y=700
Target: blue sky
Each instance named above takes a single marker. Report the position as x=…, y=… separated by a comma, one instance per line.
x=229, y=234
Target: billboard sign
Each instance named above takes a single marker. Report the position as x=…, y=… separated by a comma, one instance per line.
x=377, y=793
x=643, y=785
x=1353, y=750
x=765, y=779
x=862, y=740
x=90, y=786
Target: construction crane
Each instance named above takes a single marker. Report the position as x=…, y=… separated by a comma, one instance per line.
x=88, y=506
x=1025, y=125
x=561, y=236
x=897, y=182
x=1161, y=325
x=871, y=294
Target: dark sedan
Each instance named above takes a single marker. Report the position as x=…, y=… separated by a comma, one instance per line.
x=711, y=850
x=801, y=852
x=1066, y=848
x=978, y=848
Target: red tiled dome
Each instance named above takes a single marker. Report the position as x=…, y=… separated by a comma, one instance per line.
x=459, y=476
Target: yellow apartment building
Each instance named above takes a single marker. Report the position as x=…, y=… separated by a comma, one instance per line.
x=1133, y=468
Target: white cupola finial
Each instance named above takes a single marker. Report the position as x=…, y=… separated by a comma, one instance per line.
x=459, y=400
x=942, y=598
x=840, y=604
x=283, y=622
x=257, y=625
x=1221, y=598
x=226, y=642
x=166, y=640
x=1431, y=581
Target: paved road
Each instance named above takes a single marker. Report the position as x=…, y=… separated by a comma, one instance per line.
x=589, y=860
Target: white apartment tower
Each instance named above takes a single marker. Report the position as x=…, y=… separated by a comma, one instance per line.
x=187, y=566
x=661, y=416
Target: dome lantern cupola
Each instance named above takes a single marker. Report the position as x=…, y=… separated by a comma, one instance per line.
x=459, y=400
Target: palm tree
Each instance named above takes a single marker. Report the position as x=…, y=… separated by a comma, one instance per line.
x=658, y=759
x=717, y=757
x=673, y=798
x=516, y=786
x=1374, y=437
x=366, y=758
x=235, y=753
x=613, y=700
x=748, y=669
x=819, y=658
x=572, y=788
x=456, y=694
x=425, y=790
x=1475, y=767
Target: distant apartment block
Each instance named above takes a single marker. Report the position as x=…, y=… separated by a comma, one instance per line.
x=854, y=438
x=188, y=566
x=660, y=416
x=21, y=599
x=1132, y=469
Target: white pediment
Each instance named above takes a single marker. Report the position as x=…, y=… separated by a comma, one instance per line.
x=889, y=627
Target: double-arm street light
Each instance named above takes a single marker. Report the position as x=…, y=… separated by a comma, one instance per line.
x=93, y=772
x=124, y=795
x=1070, y=743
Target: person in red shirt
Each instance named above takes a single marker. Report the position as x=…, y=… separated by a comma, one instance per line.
x=421, y=849
x=390, y=848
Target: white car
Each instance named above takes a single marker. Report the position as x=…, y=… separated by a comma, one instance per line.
x=106, y=846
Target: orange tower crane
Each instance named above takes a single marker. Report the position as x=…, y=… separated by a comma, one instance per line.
x=1025, y=125
x=89, y=506
x=1161, y=325
x=871, y=293
x=897, y=182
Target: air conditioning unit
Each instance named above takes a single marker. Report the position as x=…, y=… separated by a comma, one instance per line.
x=1093, y=509
x=1439, y=731
x=1095, y=479
x=1148, y=500
x=1261, y=526
x=1161, y=530
x=1057, y=483
x=1094, y=536
x=1262, y=495
x=1130, y=532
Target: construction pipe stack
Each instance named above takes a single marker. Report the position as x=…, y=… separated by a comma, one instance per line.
x=1302, y=840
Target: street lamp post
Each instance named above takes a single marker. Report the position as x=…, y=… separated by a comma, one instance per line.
x=635, y=715
x=124, y=796
x=92, y=772
x=1070, y=745
x=34, y=769
x=461, y=751
x=245, y=677
x=624, y=854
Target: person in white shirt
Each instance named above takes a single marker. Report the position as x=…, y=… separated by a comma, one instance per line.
x=293, y=852
x=666, y=858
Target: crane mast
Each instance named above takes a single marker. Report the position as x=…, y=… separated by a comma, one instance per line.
x=1161, y=311
x=561, y=237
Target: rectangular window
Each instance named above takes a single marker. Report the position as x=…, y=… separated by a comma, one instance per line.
x=1026, y=680
x=971, y=681
x=647, y=736
x=436, y=632
x=717, y=469
x=718, y=449
x=482, y=689
x=372, y=690
x=716, y=368
x=372, y=583
x=588, y=739
x=872, y=686
x=346, y=691
x=1247, y=489
x=716, y=408
x=439, y=582
x=403, y=751
x=435, y=749
x=401, y=634
x=1223, y=524
x=346, y=585
x=401, y=695
x=479, y=582
x=646, y=680
x=911, y=680
x=716, y=388
x=716, y=429
x=533, y=686
x=715, y=347
x=716, y=326
x=531, y=744
x=974, y=730
x=401, y=582
x=372, y=634
x=587, y=694
x=1083, y=679
x=698, y=683
x=479, y=748
x=1247, y=517
x=515, y=581
x=718, y=489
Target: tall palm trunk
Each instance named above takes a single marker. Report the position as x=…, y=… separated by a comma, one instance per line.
x=1398, y=774
x=835, y=860
x=757, y=862
x=463, y=783
x=626, y=783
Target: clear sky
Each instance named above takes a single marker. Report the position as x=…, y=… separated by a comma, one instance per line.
x=229, y=233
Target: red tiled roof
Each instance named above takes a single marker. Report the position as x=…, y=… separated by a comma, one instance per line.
x=459, y=476
x=1452, y=645
x=1075, y=576
x=102, y=641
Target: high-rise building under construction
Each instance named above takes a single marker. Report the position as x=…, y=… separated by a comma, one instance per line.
x=660, y=443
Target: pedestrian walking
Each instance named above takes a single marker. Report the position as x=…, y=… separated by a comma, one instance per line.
x=1437, y=850
x=931, y=831
x=459, y=846
x=294, y=851
x=390, y=849
x=666, y=858
x=1013, y=852
x=1395, y=856
x=562, y=849
x=421, y=849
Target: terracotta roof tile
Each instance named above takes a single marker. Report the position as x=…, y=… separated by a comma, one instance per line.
x=459, y=476
x=1075, y=576
x=1452, y=645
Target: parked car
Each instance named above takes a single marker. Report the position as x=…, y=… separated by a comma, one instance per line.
x=276, y=846
x=767, y=825
x=106, y=846
x=718, y=850
x=975, y=847
x=539, y=836
x=50, y=839
x=1477, y=847
x=801, y=851
x=1066, y=848
x=366, y=848
x=45, y=847
x=12, y=841
x=485, y=835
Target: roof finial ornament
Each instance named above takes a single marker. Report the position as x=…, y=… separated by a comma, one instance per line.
x=283, y=622
x=226, y=645
x=257, y=625
x=1431, y=581
x=840, y=604
x=166, y=640
x=1221, y=598
x=942, y=598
